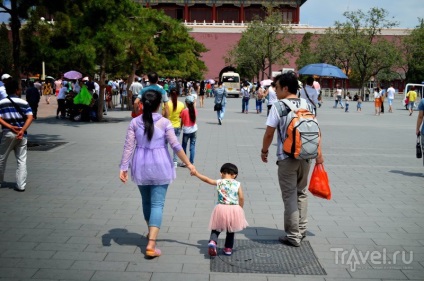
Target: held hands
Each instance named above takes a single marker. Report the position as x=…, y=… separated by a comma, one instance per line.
x=123, y=176
x=192, y=169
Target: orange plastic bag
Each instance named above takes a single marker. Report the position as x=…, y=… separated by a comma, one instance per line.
x=139, y=111
x=319, y=185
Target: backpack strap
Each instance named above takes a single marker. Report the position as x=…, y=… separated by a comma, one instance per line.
x=281, y=111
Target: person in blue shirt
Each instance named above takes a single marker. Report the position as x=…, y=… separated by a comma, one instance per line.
x=153, y=80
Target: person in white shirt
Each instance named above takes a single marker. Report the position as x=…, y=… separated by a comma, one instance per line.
x=390, y=97
x=310, y=94
x=272, y=96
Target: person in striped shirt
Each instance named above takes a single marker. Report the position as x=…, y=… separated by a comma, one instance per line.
x=15, y=118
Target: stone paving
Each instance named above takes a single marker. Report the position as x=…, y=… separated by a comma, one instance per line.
x=77, y=221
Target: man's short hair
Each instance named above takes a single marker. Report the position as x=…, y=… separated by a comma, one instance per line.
x=11, y=87
x=153, y=77
x=288, y=79
x=310, y=80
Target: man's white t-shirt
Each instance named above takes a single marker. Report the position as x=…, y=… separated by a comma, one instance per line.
x=272, y=96
x=391, y=93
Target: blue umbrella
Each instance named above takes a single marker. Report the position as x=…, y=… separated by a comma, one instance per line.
x=323, y=69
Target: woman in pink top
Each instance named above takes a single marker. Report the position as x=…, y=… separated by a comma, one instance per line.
x=188, y=120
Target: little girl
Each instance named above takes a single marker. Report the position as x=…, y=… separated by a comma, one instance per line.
x=228, y=214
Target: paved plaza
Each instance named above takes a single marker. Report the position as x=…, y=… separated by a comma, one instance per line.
x=77, y=221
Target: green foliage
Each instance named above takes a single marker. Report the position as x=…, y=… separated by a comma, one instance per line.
x=306, y=54
x=264, y=43
x=355, y=45
x=5, y=50
x=414, y=54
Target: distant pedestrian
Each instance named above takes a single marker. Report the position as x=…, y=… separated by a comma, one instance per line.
x=411, y=96
x=189, y=125
x=220, y=94
x=338, y=96
x=61, y=101
x=390, y=97
x=245, y=94
x=359, y=104
x=310, y=94
x=382, y=97
x=228, y=214
x=377, y=101
x=146, y=152
x=33, y=98
x=347, y=100
x=260, y=97
x=202, y=91
x=47, y=91
x=15, y=119
x=175, y=109
x=272, y=97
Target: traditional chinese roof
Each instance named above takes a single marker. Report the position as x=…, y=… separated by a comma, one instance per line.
x=294, y=3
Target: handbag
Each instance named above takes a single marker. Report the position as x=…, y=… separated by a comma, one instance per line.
x=319, y=185
x=418, y=147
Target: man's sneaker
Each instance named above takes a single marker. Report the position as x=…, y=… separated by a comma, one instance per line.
x=228, y=251
x=285, y=240
x=220, y=121
x=181, y=165
x=212, y=248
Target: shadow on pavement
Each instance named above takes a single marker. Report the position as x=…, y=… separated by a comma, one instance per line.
x=407, y=173
x=69, y=123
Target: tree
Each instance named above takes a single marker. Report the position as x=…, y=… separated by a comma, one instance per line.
x=5, y=50
x=414, y=54
x=357, y=46
x=264, y=43
x=306, y=53
x=17, y=10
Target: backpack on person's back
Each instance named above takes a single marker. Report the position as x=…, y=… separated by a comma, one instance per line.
x=303, y=135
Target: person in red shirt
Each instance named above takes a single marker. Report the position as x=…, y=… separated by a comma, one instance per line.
x=188, y=122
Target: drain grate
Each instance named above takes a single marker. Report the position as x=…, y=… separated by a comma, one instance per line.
x=43, y=146
x=267, y=256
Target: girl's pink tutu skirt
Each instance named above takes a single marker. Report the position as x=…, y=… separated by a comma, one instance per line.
x=228, y=218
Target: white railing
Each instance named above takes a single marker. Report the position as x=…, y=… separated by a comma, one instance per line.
x=232, y=23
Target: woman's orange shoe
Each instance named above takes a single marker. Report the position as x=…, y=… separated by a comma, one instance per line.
x=153, y=253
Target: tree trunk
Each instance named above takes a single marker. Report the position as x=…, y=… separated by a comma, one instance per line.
x=15, y=25
x=102, y=90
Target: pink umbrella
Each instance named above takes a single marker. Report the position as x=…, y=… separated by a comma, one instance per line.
x=73, y=75
x=266, y=82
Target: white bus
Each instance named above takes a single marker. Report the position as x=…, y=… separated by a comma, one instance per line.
x=231, y=82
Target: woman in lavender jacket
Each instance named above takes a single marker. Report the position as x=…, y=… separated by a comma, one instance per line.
x=152, y=169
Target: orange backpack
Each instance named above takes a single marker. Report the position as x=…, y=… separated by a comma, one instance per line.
x=302, y=133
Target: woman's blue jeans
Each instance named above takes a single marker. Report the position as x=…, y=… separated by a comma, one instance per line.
x=220, y=113
x=244, y=104
x=192, y=138
x=259, y=105
x=177, y=133
x=153, y=200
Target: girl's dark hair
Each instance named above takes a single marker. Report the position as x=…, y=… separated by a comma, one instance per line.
x=288, y=80
x=229, y=168
x=174, y=98
x=191, y=111
x=151, y=100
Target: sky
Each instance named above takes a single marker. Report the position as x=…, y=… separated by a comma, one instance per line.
x=323, y=13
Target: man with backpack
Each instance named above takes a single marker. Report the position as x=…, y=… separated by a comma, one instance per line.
x=298, y=143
